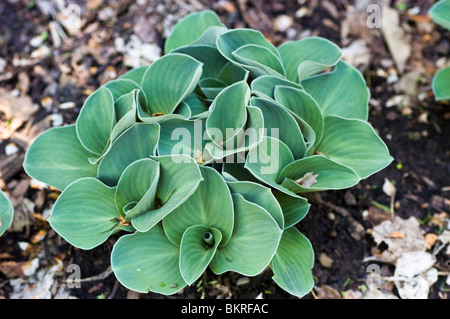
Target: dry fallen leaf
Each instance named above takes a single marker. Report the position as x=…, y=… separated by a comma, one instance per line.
x=412, y=241
x=430, y=239
x=394, y=35
x=308, y=180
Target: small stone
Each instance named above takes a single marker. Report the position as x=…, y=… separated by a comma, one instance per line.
x=325, y=260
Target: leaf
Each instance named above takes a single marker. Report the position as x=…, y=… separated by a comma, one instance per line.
x=121, y=86
x=135, y=74
x=137, y=186
x=304, y=106
x=85, y=214
x=196, y=106
x=232, y=73
x=179, y=179
x=6, y=213
x=147, y=261
x=245, y=139
x=191, y=28
x=330, y=175
x=233, y=100
x=440, y=12
x=293, y=262
x=294, y=207
x=57, y=158
x=126, y=112
x=183, y=137
x=308, y=56
x=264, y=86
x=139, y=141
x=211, y=58
x=280, y=124
x=209, y=37
x=96, y=120
x=268, y=159
x=211, y=205
x=195, y=254
x=355, y=144
x=261, y=196
x=341, y=92
x=261, y=57
x=230, y=41
x=169, y=80
x=441, y=84
x=254, y=241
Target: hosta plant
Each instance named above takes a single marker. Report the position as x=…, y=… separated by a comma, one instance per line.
x=201, y=159
x=440, y=14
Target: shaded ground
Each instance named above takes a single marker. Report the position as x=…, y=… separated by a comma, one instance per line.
x=48, y=87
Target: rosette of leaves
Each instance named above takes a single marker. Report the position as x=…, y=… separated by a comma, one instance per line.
x=440, y=13
x=200, y=159
x=6, y=213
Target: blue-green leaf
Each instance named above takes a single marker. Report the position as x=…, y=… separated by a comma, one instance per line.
x=57, y=158
x=293, y=262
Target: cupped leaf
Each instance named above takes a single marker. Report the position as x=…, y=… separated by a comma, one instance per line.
x=316, y=173
x=308, y=56
x=178, y=180
x=6, y=213
x=355, y=144
x=264, y=86
x=85, y=214
x=254, y=241
x=186, y=137
x=197, y=248
x=260, y=57
x=293, y=262
x=126, y=113
x=147, y=261
x=249, y=136
x=220, y=126
x=341, y=92
x=169, y=80
x=440, y=13
x=294, y=207
x=57, y=158
x=304, y=106
x=261, y=196
x=121, y=86
x=441, y=84
x=230, y=41
x=280, y=124
x=211, y=205
x=211, y=58
x=139, y=141
x=136, y=188
x=190, y=28
x=268, y=159
x=96, y=120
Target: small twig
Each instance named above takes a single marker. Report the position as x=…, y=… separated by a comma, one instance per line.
x=100, y=276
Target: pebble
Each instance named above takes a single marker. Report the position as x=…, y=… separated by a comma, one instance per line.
x=325, y=260
x=282, y=23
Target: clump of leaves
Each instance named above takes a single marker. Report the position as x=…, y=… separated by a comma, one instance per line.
x=440, y=13
x=200, y=159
